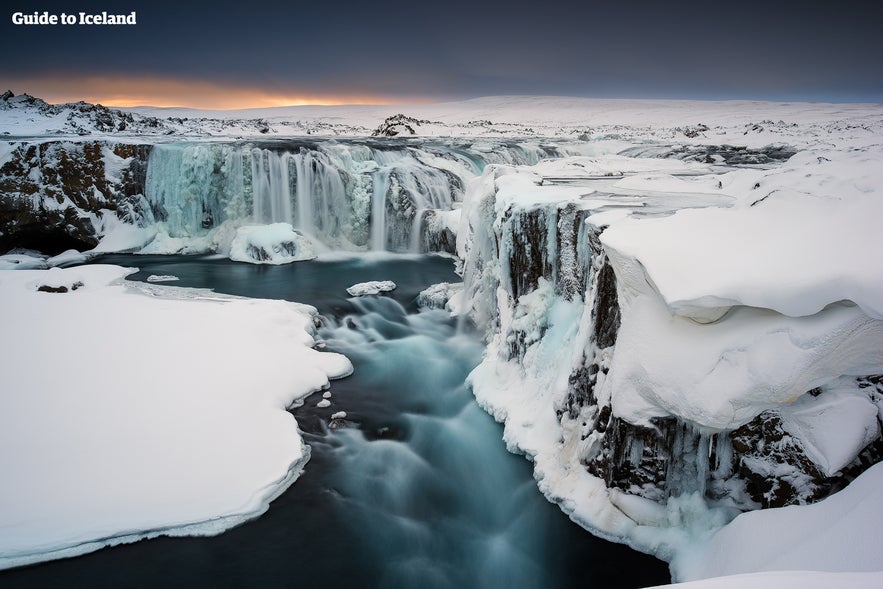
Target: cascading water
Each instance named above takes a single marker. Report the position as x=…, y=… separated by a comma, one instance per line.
x=351, y=196
x=378, y=210
x=452, y=507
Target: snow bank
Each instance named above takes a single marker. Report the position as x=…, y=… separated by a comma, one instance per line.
x=68, y=258
x=277, y=243
x=839, y=534
x=792, y=255
x=787, y=580
x=126, y=416
x=22, y=262
x=721, y=375
x=372, y=287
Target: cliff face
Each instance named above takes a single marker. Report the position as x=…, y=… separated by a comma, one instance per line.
x=54, y=194
x=553, y=300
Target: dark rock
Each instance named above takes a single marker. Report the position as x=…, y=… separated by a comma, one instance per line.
x=48, y=189
x=398, y=124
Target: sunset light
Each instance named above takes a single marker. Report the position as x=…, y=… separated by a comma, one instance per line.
x=123, y=91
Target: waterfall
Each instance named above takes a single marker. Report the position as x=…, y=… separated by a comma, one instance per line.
x=349, y=196
x=378, y=211
x=270, y=185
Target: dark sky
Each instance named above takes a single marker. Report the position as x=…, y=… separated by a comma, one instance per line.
x=401, y=50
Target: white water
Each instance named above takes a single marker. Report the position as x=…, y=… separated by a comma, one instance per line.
x=440, y=500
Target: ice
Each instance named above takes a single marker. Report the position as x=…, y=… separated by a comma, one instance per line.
x=181, y=429
x=339, y=415
x=372, y=287
x=323, y=404
x=277, y=243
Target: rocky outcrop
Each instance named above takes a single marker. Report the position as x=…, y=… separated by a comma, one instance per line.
x=52, y=194
x=398, y=124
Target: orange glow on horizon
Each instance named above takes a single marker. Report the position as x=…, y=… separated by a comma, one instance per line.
x=172, y=93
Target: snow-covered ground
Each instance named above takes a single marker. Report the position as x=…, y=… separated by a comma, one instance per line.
x=130, y=412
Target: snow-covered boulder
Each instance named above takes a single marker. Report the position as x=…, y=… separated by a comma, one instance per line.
x=372, y=287
x=438, y=296
x=277, y=243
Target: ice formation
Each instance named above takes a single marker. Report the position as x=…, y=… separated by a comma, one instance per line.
x=197, y=443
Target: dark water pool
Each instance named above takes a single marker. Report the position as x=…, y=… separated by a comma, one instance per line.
x=414, y=489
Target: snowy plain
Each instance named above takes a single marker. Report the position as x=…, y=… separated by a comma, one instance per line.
x=762, y=283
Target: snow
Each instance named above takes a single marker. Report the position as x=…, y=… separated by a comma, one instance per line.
x=439, y=296
x=277, y=243
x=162, y=278
x=118, y=236
x=323, y=404
x=834, y=426
x=372, y=287
x=777, y=255
x=339, y=415
x=839, y=534
x=720, y=375
x=181, y=429
x=68, y=258
x=751, y=123
x=787, y=580
x=22, y=262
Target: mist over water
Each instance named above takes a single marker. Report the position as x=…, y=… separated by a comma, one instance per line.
x=414, y=488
